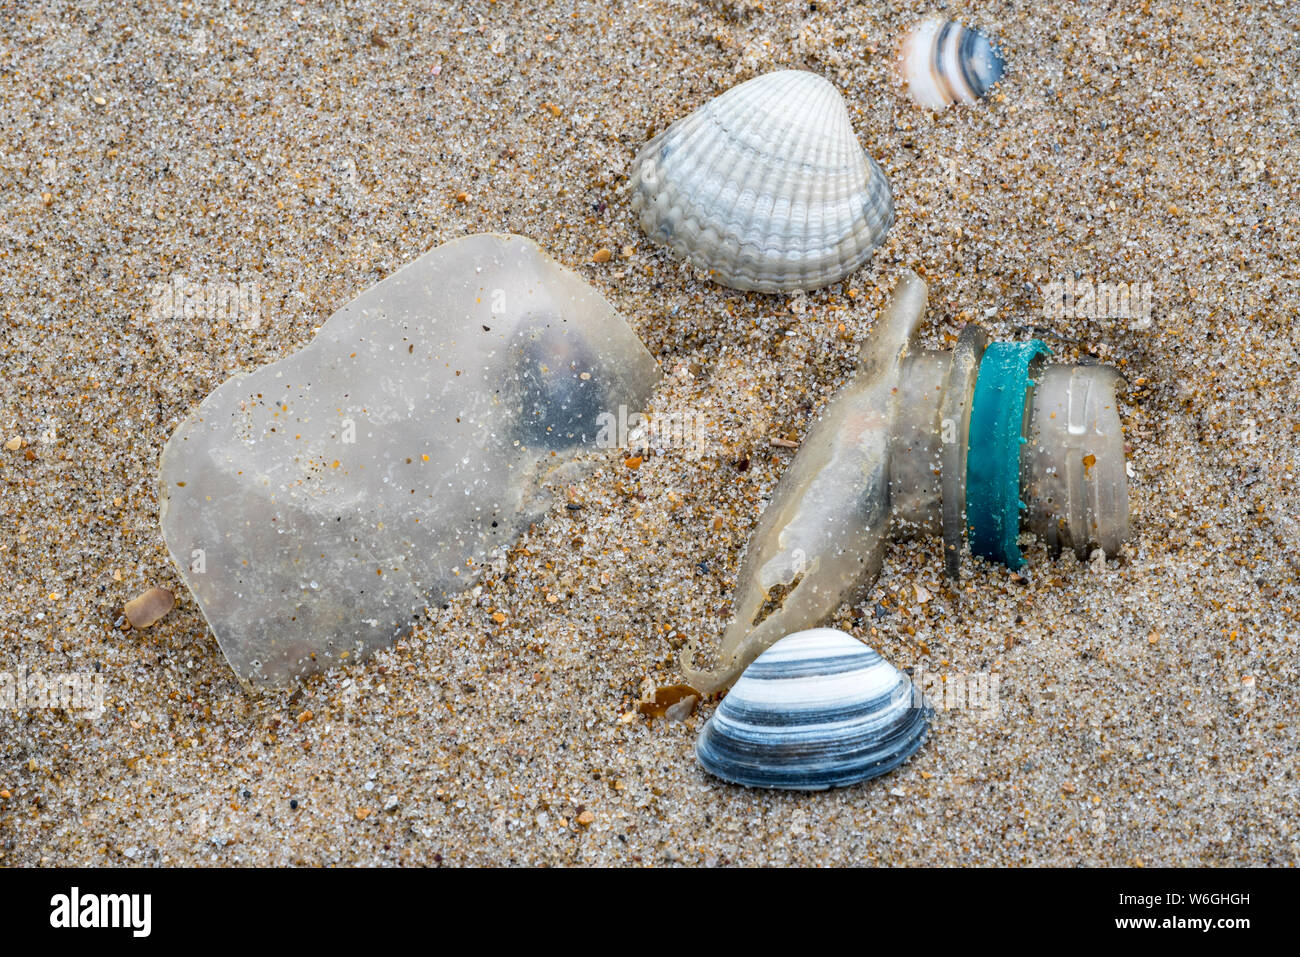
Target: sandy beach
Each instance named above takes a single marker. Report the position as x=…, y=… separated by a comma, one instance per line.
x=1146, y=706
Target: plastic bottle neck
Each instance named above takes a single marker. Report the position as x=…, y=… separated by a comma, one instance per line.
x=992, y=440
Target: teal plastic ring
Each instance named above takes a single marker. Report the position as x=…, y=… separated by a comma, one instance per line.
x=993, y=461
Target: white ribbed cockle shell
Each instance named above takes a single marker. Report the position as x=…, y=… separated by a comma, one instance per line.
x=765, y=186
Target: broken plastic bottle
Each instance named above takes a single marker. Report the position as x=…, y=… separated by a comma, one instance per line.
x=317, y=505
x=976, y=444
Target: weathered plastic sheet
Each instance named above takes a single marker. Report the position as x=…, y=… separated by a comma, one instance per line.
x=317, y=505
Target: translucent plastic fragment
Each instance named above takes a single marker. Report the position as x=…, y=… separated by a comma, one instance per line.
x=317, y=505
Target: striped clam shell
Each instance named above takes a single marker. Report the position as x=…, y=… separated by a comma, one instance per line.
x=818, y=709
x=765, y=186
x=943, y=62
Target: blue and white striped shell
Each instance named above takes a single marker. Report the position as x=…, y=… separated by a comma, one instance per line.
x=942, y=62
x=766, y=187
x=817, y=710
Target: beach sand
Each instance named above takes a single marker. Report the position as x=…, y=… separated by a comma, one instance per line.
x=1146, y=712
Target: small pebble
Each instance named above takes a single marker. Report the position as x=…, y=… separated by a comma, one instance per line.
x=143, y=610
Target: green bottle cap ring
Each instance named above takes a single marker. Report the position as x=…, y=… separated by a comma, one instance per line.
x=993, y=461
